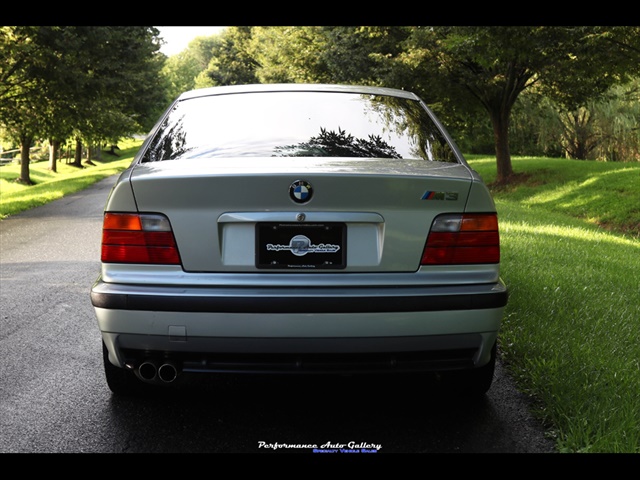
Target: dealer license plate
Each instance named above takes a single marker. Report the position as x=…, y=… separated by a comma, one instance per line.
x=301, y=245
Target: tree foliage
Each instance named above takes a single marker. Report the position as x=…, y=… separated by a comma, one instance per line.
x=232, y=62
x=606, y=129
x=94, y=83
x=185, y=70
x=492, y=66
x=329, y=143
x=459, y=71
x=88, y=83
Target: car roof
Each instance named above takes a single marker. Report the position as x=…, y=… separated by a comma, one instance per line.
x=296, y=87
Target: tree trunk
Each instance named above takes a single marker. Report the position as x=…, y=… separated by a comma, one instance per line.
x=25, y=146
x=90, y=151
x=500, y=122
x=77, y=162
x=54, y=148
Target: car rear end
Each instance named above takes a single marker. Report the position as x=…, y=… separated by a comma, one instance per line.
x=299, y=229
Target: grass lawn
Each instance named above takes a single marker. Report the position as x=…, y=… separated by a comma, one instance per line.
x=570, y=236
x=15, y=197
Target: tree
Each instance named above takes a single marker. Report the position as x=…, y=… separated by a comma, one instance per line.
x=92, y=82
x=494, y=65
x=289, y=54
x=329, y=143
x=183, y=69
x=232, y=62
x=324, y=54
x=25, y=69
x=619, y=123
x=606, y=129
x=119, y=91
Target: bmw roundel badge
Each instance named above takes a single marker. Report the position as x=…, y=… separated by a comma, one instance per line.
x=300, y=191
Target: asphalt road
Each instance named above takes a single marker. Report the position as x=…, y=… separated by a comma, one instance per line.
x=53, y=397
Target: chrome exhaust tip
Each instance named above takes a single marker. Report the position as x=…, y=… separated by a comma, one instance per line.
x=147, y=371
x=167, y=372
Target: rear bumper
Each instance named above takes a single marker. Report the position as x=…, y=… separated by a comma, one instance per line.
x=314, y=300
x=315, y=329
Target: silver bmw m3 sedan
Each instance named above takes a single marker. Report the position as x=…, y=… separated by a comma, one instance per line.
x=299, y=229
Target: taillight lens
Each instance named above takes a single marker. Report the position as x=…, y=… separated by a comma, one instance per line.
x=463, y=239
x=138, y=238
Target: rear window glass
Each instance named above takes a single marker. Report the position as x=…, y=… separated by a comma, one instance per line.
x=298, y=124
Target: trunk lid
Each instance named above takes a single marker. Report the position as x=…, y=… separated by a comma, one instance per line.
x=383, y=208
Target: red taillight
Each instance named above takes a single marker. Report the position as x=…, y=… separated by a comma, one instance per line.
x=134, y=238
x=463, y=239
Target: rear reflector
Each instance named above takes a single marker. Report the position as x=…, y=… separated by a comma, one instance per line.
x=469, y=238
x=138, y=238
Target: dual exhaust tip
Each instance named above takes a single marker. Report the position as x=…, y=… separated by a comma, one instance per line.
x=150, y=371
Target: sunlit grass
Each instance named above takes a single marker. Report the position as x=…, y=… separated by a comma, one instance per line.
x=16, y=197
x=571, y=328
x=570, y=334
x=605, y=194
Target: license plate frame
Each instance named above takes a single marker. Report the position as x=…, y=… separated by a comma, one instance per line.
x=301, y=246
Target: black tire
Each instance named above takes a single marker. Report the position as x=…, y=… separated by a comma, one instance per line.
x=121, y=381
x=474, y=382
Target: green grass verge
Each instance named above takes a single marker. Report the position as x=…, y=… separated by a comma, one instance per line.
x=570, y=334
x=16, y=197
x=607, y=194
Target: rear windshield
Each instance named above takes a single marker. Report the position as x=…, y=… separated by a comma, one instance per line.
x=298, y=124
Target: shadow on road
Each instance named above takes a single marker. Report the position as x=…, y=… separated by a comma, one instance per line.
x=291, y=414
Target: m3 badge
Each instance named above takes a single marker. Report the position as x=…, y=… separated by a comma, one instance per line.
x=430, y=195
